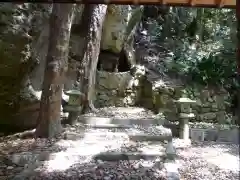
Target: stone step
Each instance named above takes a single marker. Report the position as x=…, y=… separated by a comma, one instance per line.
x=135, y=151
x=108, y=126
x=120, y=122
x=151, y=129
x=119, y=156
x=138, y=151
x=146, y=137
x=134, y=135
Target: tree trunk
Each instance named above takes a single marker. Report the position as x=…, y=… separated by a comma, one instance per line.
x=55, y=68
x=238, y=57
x=93, y=18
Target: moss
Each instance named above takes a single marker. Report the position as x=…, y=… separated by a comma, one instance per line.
x=15, y=62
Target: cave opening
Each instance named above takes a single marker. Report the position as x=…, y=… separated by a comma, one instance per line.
x=113, y=62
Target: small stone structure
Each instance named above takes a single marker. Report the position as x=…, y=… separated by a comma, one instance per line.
x=219, y=134
x=197, y=134
x=74, y=105
x=185, y=114
x=111, y=88
x=118, y=89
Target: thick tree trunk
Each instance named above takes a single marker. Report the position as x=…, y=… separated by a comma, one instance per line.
x=238, y=57
x=238, y=35
x=238, y=61
x=93, y=19
x=56, y=66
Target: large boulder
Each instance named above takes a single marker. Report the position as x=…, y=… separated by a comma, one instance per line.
x=18, y=28
x=23, y=50
x=115, y=27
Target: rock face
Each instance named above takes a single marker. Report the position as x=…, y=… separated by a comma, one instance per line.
x=114, y=28
x=25, y=36
x=18, y=29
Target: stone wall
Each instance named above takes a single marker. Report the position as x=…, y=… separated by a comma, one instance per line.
x=215, y=134
x=112, y=88
x=119, y=89
x=212, y=105
x=123, y=89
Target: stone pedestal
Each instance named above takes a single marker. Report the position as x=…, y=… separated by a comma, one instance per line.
x=184, y=125
x=170, y=151
x=185, y=114
x=184, y=129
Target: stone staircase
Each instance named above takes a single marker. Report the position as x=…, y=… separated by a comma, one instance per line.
x=99, y=141
x=142, y=141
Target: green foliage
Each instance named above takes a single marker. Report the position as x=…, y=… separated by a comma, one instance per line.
x=213, y=70
x=203, y=42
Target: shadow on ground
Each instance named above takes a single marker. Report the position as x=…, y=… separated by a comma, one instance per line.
x=59, y=164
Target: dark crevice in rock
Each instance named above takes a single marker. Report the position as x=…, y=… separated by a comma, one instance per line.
x=113, y=62
x=123, y=64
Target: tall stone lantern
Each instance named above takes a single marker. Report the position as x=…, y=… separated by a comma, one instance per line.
x=185, y=114
x=74, y=105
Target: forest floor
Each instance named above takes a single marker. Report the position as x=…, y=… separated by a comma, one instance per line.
x=72, y=159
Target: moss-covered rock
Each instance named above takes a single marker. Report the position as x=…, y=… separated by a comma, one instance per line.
x=18, y=28
x=15, y=55
x=23, y=49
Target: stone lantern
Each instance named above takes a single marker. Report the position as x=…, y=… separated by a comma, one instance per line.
x=185, y=113
x=74, y=104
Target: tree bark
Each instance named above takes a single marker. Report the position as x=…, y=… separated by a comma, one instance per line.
x=93, y=19
x=49, y=124
x=238, y=57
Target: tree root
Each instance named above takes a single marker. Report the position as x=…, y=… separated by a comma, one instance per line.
x=25, y=134
x=89, y=108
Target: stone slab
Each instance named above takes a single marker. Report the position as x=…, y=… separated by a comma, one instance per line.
x=197, y=134
x=228, y=136
x=142, y=122
x=117, y=121
x=108, y=126
x=145, y=137
x=202, y=134
x=119, y=156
